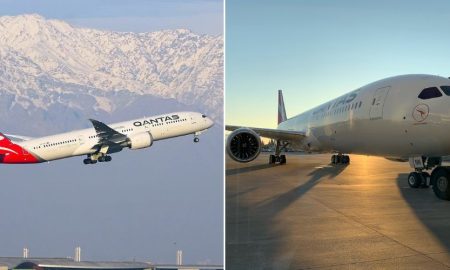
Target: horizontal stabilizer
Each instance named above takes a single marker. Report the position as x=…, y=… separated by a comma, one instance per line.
x=17, y=138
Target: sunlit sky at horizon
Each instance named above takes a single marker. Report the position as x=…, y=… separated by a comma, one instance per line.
x=318, y=50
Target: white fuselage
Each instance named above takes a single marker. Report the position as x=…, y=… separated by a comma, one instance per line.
x=84, y=142
x=385, y=118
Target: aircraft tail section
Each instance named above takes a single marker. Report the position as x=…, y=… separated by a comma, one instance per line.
x=5, y=145
x=281, y=110
x=14, y=153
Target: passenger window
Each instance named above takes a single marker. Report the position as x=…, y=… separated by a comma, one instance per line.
x=431, y=92
x=446, y=90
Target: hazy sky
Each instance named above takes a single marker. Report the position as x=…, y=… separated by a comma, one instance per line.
x=201, y=16
x=144, y=204
x=317, y=50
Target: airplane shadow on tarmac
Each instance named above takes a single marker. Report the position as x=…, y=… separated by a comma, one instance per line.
x=284, y=200
x=431, y=211
x=230, y=172
x=260, y=234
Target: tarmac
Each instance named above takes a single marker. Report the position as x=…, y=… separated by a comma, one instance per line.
x=309, y=214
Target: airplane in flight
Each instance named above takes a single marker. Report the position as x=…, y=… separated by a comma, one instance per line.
x=402, y=118
x=102, y=140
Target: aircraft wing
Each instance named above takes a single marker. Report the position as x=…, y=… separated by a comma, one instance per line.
x=106, y=134
x=276, y=134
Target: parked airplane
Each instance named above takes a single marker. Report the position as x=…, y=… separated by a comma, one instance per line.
x=402, y=118
x=101, y=140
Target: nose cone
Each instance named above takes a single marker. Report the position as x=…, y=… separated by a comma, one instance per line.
x=209, y=122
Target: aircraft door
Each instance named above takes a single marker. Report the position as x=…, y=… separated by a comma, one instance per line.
x=81, y=139
x=376, y=108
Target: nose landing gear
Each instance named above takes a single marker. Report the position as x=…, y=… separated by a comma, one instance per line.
x=439, y=179
x=196, y=134
x=419, y=179
x=441, y=182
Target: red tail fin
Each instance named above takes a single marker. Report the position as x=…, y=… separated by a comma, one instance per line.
x=281, y=110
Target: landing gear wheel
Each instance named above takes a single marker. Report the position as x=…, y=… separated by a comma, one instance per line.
x=414, y=179
x=86, y=161
x=339, y=159
x=108, y=158
x=441, y=184
x=272, y=159
x=425, y=182
x=101, y=159
x=283, y=159
x=196, y=139
x=345, y=159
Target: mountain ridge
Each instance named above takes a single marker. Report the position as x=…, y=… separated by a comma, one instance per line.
x=50, y=62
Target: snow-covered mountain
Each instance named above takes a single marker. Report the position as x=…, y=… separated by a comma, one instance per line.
x=48, y=64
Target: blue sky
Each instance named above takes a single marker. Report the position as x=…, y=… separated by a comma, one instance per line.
x=144, y=204
x=317, y=50
x=201, y=16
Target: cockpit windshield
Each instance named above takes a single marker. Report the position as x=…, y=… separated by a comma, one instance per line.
x=446, y=89
x=430, y=92
x=204, y=116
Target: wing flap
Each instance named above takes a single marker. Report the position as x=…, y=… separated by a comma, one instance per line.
x=106, y=134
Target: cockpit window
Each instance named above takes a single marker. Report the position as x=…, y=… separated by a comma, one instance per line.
x=431, y=92
x=204, y=116
x=446, y=89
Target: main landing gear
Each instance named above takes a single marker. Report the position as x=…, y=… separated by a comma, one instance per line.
x=277, y=158
x=439, y=178
x=340, y=159
x=91, y=159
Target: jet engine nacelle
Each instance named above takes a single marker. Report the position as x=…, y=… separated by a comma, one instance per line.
x=140, y=140
x=243, y=145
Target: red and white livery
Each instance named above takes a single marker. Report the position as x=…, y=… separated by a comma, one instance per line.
x=99, y=142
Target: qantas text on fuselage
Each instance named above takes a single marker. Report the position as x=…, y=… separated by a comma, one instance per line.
x=99, y=142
